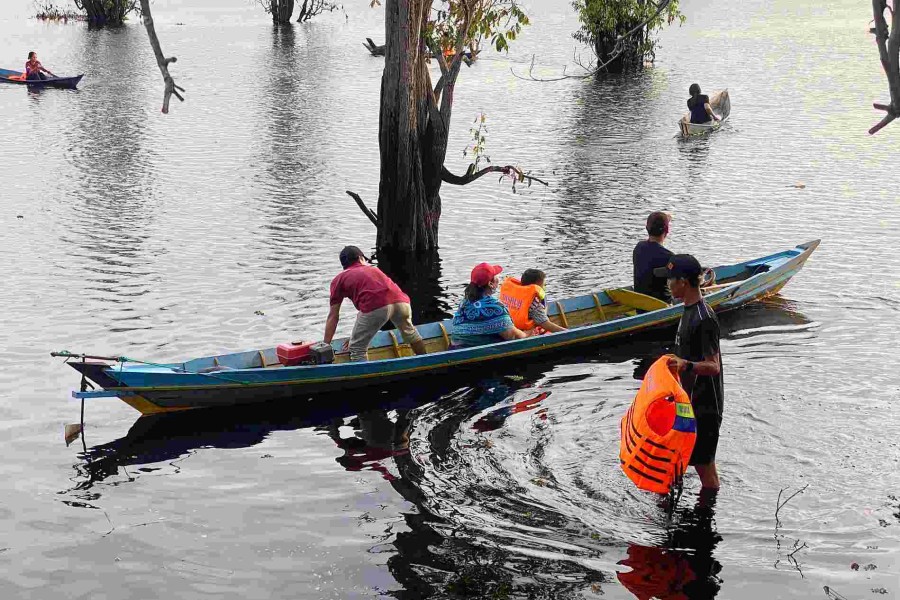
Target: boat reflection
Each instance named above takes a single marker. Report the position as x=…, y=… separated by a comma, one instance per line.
x=439, y=550
x=437, y=555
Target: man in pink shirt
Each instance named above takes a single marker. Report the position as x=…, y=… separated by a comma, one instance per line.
x=378, y=300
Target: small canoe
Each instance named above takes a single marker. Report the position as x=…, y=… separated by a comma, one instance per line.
x=720, y=102
x=257, y=376
x=7, y=76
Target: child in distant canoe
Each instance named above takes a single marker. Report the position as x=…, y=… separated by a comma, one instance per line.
x=698, y=104
x=34, y=69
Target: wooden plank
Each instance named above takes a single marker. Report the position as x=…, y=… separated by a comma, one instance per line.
x=636, y=300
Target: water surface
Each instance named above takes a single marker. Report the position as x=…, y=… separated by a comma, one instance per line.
x=217, y=227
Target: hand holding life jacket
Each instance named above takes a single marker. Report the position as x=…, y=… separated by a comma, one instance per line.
x=658, y=431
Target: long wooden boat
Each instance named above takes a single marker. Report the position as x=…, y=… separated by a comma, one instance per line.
x=720, y=102
x=257, y=376
x=17, y=77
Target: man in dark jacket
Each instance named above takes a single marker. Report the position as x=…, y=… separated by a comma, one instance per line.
x=650, y=254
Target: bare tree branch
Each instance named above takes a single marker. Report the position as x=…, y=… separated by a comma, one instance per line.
x=889, y=52
x=779, y=504
x=471, y=175
x=366, y=210
x=163, y=62
x=617, y=50
x=373, y=48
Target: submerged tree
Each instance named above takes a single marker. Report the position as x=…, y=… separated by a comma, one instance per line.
x=283, y=10
x=106, y=12
x=889, y=51
x=606, y=23
x=414, y=119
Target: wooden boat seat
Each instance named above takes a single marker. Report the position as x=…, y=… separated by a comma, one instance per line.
x=636, y=300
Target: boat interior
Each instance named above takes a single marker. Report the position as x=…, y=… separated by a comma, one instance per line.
x=580, y=311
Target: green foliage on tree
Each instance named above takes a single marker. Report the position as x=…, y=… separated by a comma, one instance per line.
x=604, y=22
x=499, y=21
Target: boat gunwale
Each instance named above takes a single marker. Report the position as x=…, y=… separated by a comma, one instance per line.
x=437, y=360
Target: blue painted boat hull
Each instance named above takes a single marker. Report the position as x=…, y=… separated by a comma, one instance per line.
x=255, y=376
x=54, y=82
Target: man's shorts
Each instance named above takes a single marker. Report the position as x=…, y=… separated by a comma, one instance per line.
x=707, y=439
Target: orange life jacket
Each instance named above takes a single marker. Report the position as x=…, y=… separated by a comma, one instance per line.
x=518, y=299
x=658, y=431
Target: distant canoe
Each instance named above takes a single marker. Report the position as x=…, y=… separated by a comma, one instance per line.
x=257, y=376
x=720, y=102
x=7, y=76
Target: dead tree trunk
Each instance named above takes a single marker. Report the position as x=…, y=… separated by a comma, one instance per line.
x=888, y=40
x=281, y=10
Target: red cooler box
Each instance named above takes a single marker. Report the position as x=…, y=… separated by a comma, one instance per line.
x=305, y=353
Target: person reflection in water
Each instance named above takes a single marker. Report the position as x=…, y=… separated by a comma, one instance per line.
x=378, y=439
x=684, y=567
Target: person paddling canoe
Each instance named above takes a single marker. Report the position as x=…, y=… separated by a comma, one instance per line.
x=34, y=69
x=698, y=104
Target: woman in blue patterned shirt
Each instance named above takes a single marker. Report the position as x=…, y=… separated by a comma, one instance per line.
x=481, y=318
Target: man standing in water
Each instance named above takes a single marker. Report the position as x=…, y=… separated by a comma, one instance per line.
x=699, y=362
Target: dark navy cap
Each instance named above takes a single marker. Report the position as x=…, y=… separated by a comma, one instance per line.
x=681, y=266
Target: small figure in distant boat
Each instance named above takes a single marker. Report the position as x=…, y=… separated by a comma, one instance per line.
x=698, y=104
x=526, y=301
x=34, y=69
x=481, y=318
x=378, y=300
x=650, y=254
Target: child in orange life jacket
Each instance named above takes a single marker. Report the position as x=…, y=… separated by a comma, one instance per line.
x=525, y=300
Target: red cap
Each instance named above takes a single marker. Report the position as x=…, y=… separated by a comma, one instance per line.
x=484, y=272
